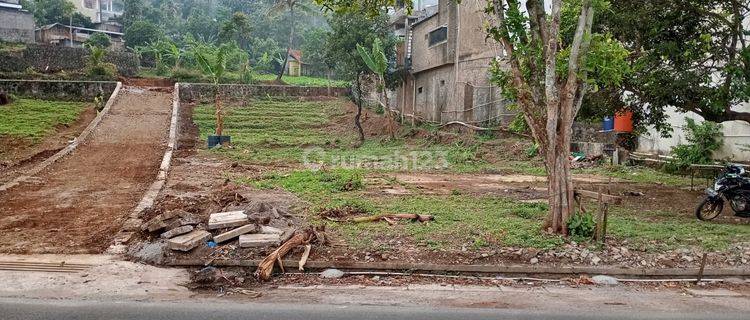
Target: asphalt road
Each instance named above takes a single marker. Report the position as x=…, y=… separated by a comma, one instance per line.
x=195, y=310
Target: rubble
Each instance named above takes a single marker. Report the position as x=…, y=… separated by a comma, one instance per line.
x=227, y=220
x=187, y=242
x=332, y=274
x=259, y=240
x=176, y=232
x=270, y=230
x=250, y=228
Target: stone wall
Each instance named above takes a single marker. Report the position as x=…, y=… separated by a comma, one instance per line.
x=16, y=25
x=204, y=91
x=49, y=59
x=59, y=90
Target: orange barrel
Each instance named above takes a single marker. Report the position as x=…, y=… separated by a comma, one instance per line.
x=624, y=121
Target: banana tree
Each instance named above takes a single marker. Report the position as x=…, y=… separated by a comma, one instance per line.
x=213, y=63
x=377, y=62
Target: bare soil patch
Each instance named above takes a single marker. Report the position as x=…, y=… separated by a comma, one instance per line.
x=18, y=155
x=78, y=204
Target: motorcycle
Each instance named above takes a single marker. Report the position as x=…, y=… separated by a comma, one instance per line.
x=734, y=186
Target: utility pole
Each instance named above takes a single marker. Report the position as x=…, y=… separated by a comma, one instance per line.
x=70, y=26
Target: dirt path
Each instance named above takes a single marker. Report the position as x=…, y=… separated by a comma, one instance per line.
x=78, y=204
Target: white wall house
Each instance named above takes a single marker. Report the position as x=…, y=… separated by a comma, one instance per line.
x=736, y=133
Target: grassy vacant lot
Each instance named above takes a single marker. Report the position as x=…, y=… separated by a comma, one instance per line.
x=276, y=133
x=34, y=119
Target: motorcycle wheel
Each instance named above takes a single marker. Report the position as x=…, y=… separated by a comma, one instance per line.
x=707, y=210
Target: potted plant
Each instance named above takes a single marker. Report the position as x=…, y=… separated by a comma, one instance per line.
x=213, y=64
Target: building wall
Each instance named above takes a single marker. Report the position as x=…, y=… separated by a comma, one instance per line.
x=16, y=26
x=453, y=76
x=736, y=133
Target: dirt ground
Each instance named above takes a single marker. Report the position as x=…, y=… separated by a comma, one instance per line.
x=78, y=204
x=17, y=156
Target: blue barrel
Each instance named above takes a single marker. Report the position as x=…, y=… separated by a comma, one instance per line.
x=609, y=123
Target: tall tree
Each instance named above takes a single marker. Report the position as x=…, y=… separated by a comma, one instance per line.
x=688, y=54
x=341, y=53
x=56, y=11
x=292, y=7
x=547, y=53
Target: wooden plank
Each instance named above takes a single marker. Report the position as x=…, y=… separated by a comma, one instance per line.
x=608, y=199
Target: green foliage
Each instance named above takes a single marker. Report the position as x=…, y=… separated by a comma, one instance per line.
x=376, y=61
x=671, y=43
x=99, y=39
x=142, y=33
x=316, y=182
x=703, y=139
x=581, y=226
x=532, y=150
x=367, y=7
x=35, y=119
x=211, y=60
x=518, y=125
x=343, y=39
x=96, y=68
x=56, y=11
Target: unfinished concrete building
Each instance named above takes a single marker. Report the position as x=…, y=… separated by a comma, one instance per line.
x=16, y=24
x=447, y=56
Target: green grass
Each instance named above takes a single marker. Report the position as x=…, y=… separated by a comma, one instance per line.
x=657, y=231
x=302, y=81
x=35, y=119
x=270, y=131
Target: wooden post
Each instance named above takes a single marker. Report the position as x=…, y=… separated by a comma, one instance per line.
x=600, y=217
x=703, y=267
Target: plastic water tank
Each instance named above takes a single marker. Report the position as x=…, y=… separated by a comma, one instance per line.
x=609, y=124
x=624, y=121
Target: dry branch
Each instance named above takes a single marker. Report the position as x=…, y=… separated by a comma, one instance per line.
x=303, y=237
x=388, y=218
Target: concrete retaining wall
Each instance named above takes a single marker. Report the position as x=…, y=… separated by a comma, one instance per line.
x=16, y=26
x=204, y=91
x=58, y=90
x=49, y=59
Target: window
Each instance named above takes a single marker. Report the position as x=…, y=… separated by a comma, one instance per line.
x=88, y=4
x=438, y=36
x=442, y=82
x=419, y=90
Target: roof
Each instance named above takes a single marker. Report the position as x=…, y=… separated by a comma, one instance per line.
x=296, y=54
x=426, y=14
x=50, y=26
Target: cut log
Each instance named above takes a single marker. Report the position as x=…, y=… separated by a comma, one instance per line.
x=226, y=236
x=227, y=220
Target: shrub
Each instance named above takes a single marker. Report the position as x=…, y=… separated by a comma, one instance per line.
x=99, y=39
x=518, y=125
x=581, y=225
x=187, y=75
x=103, y=71
x=703, y=139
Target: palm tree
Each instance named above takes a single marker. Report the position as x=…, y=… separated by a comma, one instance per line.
x=290, y=6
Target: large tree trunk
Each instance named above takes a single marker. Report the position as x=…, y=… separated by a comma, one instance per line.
x=560, y=182
x=289, y=44
x=357, y=117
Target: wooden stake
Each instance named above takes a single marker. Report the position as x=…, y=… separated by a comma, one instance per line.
x=703, y=267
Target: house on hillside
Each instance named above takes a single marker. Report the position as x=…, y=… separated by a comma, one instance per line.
x=100, y=11
x=294, y=64
x=447, y=59
x=16, y=24
x=69, y=36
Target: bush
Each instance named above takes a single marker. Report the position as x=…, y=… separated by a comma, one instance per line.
x=703, y=140
x=581, y=225
x=102, y=71
x=140, y=33
x=187, y=75
x=99, y=39
x=518, y=125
